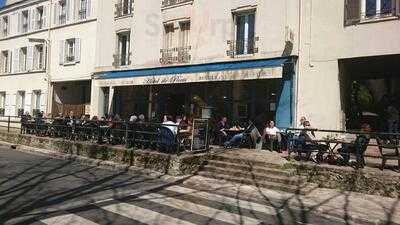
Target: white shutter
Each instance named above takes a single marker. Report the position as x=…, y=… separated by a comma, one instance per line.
x=88, y=9
x=68, y=8
x=29, y=58
x=61, y=52
x=43, y=100
x=44, y=17
x=16, y=61
x=76, y=10
x=77, y=50
x=19, y=22
x=10, y=58
x=32, y=20
x=2, y=26
x=2, y=58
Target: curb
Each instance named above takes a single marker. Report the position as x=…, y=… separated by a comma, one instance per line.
x=108, y=165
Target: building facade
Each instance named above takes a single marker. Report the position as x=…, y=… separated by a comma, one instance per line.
x=200, y=58
x=47, y=55
x=331, y=61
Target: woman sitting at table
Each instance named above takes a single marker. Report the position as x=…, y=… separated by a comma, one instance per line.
x=272, y=136
x=311, y=143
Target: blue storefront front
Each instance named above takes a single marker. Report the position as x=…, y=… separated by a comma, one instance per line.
x=258, y=90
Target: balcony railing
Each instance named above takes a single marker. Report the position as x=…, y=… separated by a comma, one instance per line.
x=121, y=59
x=39, y=24
x=242, y=47
x=70, y=58
x=2, y=111
x=123, y=9
x=175, y=55
x=62, y=19
x=82, y=14
x=24, y=28
x=167, y=3
x=5, y=32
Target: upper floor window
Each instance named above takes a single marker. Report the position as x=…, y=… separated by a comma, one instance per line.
x=23, y=59
x=38, y=57
x=39, y=18
x=122, y=56
x=70, y=51
x=62, y=18
x=361, y=10
x=5, y=26
x=24, y=21
x=245, y=26
x=83, y=9
x=5, y=62
x=2, y=103
x=176, y=43
x=123, y=8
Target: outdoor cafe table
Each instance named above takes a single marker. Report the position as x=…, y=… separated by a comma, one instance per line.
x=333, y=144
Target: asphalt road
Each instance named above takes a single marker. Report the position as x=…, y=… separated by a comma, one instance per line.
x=40, y=190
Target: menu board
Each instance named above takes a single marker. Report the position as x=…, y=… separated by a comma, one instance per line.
x=200, y=135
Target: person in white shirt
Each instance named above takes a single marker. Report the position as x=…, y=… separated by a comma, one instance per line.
x=272, y=136
x=170, y=124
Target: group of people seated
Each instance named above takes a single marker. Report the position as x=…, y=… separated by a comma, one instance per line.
x=270, y=134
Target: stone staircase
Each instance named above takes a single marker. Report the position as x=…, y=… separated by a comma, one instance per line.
x=255, y=172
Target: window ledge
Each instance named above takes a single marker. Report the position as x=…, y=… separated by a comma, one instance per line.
x=378, y=19
x=123, y=17
x=70, y=63
x=244, y=56
x=177, y=5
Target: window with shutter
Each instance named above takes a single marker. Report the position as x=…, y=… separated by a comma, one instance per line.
x=352, y=12
x=77, y=50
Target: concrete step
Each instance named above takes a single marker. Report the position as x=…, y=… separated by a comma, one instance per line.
x=243, y=161
x=250, y=168
x=291, y=180
x=298, y=189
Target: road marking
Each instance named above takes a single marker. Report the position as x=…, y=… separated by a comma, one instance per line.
x=69, y=219
x=144, y=215
x=223, y=199
x=200, y=209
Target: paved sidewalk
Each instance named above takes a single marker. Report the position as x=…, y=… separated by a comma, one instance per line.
x=350, y=206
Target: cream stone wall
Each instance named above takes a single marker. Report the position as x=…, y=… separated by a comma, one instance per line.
x=325, y=40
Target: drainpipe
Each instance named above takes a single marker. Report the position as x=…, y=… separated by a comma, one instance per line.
x=49, y=104
x=297, y=72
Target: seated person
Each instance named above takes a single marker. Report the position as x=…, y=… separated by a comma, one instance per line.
x=235, y=140
x=362, y=139
x=271, y=134
x=312, y=144
x=170, y=124
x=222, y=125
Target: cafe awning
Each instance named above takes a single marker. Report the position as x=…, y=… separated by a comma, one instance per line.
x=224, y=71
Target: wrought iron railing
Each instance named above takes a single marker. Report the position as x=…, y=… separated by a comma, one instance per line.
x=62, y=19
x=175, y=55
x=39, y=24
x=121, y=59
x=123, y=8
x=167, y=3
x=242, y=47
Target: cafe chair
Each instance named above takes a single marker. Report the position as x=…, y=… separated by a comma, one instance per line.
x=166, y=140
x=389, y=150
